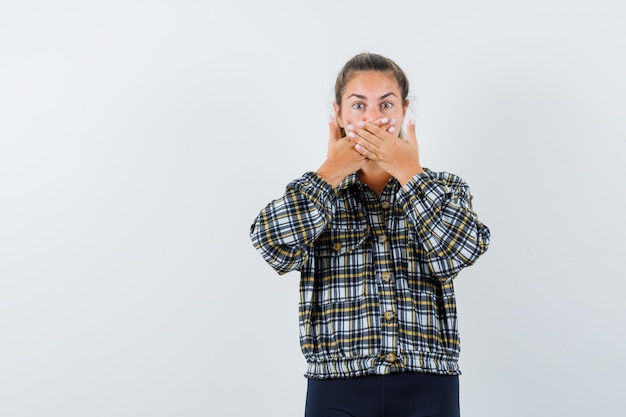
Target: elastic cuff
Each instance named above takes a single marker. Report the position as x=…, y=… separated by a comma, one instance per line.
x=315, y=187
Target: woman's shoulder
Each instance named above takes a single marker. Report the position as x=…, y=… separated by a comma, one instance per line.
x=446, y=177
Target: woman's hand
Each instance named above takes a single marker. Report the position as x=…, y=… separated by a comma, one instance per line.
x=342, y=158
x=398, y=157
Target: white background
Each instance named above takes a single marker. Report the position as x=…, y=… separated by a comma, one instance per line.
x=139, y=139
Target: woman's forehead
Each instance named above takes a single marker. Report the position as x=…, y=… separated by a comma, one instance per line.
x=371, y=84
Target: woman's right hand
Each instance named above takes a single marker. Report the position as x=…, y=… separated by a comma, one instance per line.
x=341, y=159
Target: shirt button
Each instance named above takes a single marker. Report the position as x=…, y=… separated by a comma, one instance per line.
x=391, y=357
x=386, y=204
x=383, y=239
x=389, y=315
x=386, y=276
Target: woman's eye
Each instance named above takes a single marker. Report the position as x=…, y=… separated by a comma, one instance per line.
x=386, y=105
x=358, y=106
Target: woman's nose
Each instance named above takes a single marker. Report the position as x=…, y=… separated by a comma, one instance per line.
x=372, y=114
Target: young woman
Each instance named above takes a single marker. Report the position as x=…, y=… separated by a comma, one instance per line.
x=377, y=239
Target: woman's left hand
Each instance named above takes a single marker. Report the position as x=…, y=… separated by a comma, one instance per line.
x=398, y=157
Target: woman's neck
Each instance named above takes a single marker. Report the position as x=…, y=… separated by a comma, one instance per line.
x=374, y=176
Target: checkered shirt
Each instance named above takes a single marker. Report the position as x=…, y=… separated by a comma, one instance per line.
x=376, y=289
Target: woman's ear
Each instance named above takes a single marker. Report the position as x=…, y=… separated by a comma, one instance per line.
x=337, y=110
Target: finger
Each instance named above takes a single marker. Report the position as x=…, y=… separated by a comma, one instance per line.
x=335, y=131
x=381, y=122
x=357, y=133
x=365, y=152
x=378, y=131
x=411, y=136
x=368, y=146
x=350, y=132
x=377, y=123
x=364, y=137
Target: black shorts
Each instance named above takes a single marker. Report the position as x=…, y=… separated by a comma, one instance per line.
x=406, y=394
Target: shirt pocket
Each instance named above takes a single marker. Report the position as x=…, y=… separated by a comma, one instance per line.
x=341, y=265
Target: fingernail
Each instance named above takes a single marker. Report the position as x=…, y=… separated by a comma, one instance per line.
x=349, y=127
x=358, y=147
x=392, y=122
x=391, y=129
x=351, y=135
x=384, y=120
x=412, y=121
x=361, y=124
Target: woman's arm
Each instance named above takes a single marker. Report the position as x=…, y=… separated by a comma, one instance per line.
x=285, y=228
x=439, y=208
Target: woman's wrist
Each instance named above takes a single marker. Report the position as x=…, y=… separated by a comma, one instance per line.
x=408, y=174
x=330, y=174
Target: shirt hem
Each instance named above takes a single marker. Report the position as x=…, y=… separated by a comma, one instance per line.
x=422, y=362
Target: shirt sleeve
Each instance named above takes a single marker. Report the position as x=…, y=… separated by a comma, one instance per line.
x=284, y=229
x=439, y=208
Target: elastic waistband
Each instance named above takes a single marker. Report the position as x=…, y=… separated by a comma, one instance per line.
x=424, y=362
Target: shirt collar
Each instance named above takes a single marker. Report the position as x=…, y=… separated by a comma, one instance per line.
x=353, y=180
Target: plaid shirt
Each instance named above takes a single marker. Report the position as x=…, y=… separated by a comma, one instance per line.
x=376, y=292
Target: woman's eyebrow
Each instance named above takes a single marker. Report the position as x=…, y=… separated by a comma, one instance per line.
x=362, y=97
x=387, y=95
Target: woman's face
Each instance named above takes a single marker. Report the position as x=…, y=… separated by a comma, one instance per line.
x=369, y=96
